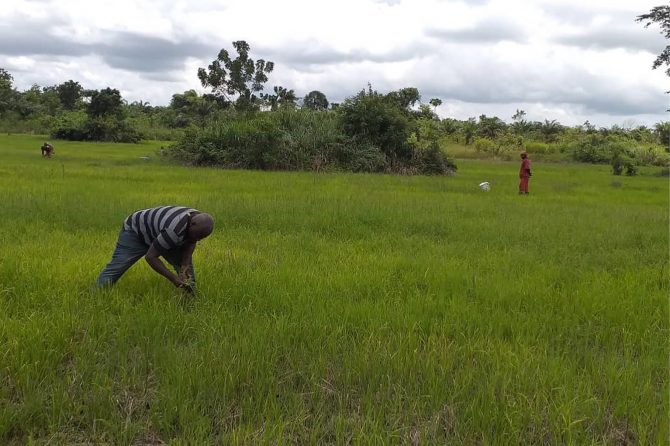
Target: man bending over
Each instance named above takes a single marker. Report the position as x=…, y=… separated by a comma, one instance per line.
x=168, y=231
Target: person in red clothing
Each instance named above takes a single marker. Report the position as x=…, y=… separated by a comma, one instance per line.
x=524, y=173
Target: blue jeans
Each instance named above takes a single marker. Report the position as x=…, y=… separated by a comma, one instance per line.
x=129, y=249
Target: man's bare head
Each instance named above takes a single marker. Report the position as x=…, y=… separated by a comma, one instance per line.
x=201, y=226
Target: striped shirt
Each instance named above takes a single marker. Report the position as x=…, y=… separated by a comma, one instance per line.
x=164, y=226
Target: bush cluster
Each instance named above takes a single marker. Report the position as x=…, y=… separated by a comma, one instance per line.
x=78, y=126
x=624, y=154
x=501, y=144
x=288, y=139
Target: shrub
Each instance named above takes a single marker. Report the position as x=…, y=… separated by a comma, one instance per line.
x=311, y=140
x=588, y=148
x=623, y=157
x=539, y=147
x=248, y=144
x=622, y=152
x=502, y=144
x=378, y=120
x=427, y=157
x=433, y=161
x=484, y=145
x=298, y=140
x=287, y=139
x=110, y=128
x=508, y=142
x=76, y=126
x=621, y=162
x=652, y=155
x=360, y=158
x=70, y=126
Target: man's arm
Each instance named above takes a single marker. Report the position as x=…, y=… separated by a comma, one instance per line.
x=187, y=257
x=153, y=259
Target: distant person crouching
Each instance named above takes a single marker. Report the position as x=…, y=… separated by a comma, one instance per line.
x=168, y=231
x=47, y=149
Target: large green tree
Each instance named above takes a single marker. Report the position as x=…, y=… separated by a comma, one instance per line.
x=490, y=127
x=405, y=97
x=106, y=102
x=520, y=126
x=189, y=107
x=69, y=93
x=7, y=91
x=435, y=102
x=27, y=102
x=382, y=121
x=315, y=100
x=469, y=128
x=237, y=80
x=661, y=16
x=662, y=130
x=282, y=97
x=550, y=130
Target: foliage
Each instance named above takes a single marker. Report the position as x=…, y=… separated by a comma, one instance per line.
x=662, y=130
x=110, y=128
x=237, y=80
x=189, y=108
x=484, y=145
x=490, y=127
x=405, y=98
x=106, y=102
x=69, y=94
x=70, y=126
x=661, y=16
x=599, y=148
x=469, y=128
x=539, y=147
x=104, y=119
x=589, y=148
x=650, y=155
x=519, y=125
x=621, y=161
x=6, y=80
x=622, y=157
x=370, y=122
x=315, y=100
x=427, y=156
x=383, y=121
x=550, y=130
x=290, y=139
x=282, y=98
x=7, y=91
x=502, y=144
x=77, y=126
x=287, y=139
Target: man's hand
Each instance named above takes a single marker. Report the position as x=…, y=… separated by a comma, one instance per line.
x=183, y=285
x=185, y=279
x=187, y=288
x=185, y=274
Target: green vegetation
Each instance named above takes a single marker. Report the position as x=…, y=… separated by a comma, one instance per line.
x=334, y=308
x=238, y=125
x=368, y=133
x=659, y=15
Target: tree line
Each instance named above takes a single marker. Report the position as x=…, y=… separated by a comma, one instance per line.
x=240, y=122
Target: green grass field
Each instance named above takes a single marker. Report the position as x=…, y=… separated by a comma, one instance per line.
x=334, y=308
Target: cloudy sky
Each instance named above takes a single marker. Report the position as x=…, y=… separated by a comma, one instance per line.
x=569, y=60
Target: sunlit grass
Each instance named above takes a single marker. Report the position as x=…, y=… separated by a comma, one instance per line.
x=334, y=308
